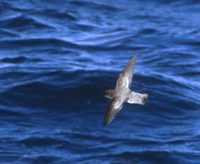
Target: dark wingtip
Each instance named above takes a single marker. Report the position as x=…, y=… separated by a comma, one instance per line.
x=145, y=99
x=105, y=123
x=135, y=57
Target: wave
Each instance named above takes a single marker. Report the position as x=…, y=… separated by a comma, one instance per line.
x=62, y=89
x=54, y=42
x=20, y=59
x=95, y=5
x=52, y=13
x=7, y=33
x=58, y=58
x=21, y=23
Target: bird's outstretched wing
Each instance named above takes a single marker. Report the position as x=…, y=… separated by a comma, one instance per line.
x=112, y=111
x=128, y=71
x=125, y=78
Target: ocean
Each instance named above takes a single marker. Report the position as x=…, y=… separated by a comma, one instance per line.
x=57, y=58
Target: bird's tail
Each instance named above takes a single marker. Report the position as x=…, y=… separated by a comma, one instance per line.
x=137, y=98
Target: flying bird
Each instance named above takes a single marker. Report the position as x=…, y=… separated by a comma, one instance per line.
x=122, y=93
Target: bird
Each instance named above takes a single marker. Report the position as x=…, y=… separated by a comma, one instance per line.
x=122, y=93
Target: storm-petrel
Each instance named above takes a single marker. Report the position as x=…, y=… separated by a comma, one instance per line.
x=122, y=93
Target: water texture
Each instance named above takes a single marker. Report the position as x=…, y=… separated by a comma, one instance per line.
x=57, y=58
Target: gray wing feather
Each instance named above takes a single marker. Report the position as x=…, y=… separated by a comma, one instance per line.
x=130, y=68
x=122, y=81
x=125, y=78
x=112, y=111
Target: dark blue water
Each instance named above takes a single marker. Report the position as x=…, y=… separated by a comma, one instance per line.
x=57, y=58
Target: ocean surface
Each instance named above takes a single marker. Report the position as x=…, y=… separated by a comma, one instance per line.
x=57, y=58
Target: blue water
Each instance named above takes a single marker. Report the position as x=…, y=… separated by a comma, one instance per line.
x=57, y=58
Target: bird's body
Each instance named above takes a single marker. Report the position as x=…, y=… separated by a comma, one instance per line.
x=122, y=93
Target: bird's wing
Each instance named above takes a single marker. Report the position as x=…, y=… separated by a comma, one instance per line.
x=128, y=71
x=122, y=81
x=112, y=111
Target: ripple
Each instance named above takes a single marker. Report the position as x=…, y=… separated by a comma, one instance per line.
x=7, y=112
x=39, y=141
x=6, y=33
x=95, y=5
x=52, y=13
x=58, y=58
x=20, y=59
x=22, y=22
x=40, y=159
